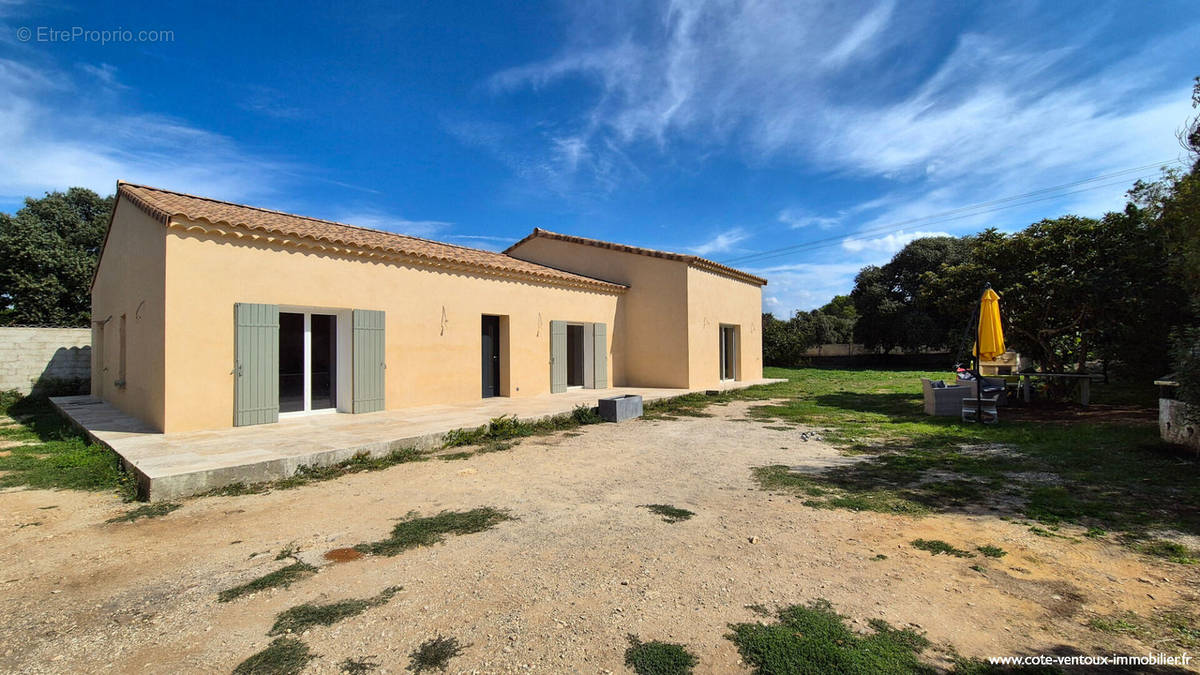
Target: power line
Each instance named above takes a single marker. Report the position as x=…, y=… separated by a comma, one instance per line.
x=980, y=208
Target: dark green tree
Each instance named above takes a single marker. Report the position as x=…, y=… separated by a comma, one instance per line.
x=48, y=252
x=1072, y=289
x=893, y=308
x=1173, y=202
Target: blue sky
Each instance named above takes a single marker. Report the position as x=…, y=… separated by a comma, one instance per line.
x=719, y=128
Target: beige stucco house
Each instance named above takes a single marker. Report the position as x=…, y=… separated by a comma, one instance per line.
x=208, y=314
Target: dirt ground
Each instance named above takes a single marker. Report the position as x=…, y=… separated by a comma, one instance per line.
x=561, y=587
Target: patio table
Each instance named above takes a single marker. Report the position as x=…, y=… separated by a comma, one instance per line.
x=1085, y=384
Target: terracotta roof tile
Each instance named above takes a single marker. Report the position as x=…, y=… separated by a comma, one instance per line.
x=693, y=260
x=165, y=205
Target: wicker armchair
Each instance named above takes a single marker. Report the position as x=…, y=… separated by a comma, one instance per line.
x=945, y=400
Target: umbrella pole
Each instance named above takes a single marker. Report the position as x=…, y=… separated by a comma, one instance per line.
x=979, y=360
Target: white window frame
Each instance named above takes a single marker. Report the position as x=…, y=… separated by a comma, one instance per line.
x=345, y=363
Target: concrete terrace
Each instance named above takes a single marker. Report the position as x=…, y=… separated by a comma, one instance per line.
x=174, y=465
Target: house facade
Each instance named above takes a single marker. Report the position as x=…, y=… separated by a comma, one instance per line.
x=208, y=314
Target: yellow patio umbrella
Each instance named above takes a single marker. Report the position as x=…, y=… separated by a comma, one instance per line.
x=989, y=340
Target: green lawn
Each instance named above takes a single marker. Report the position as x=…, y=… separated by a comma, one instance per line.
x=1113, y=478
x=50, y=453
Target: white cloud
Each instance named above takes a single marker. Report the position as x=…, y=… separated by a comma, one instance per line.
x=381, y=220
x=860, y=38
x=888, y=243
x=776, y=81
x=799, y=218
x=52, y=137
x=721, y=243
x=804, y=285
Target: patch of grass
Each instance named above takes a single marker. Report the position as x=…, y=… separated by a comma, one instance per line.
x=1128, y=623
x=358, y=666
x=658, y=658
x=54, y=454
x=813, y=639
x=828, y=494
x=313, y=474
x=1110, y=474
x=301, y=617
x=669, y=513
x=284, y=656
x=435, y=654
x=414, y=531
x=454, y=456
x=939, y=547
x=879, y=556
x=691, y=405
x=1169, y=550
x=155, y=510
x=1172, y=628
x=1043, y=532
x=280, y=578
x=991, y=551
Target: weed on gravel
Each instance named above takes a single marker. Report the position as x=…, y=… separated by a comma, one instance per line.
x=669, y=513
x=435, y=654
x=301, y=617
x=284, y=656
x=155, y=510
x=658, y=658
x=939, y=547
x=280, y=578
x=413, y=531
x=813, y=639
x=508, y=427
x=314, y=474
x=991, y=551
x=1177, y=629
x=1169, y=550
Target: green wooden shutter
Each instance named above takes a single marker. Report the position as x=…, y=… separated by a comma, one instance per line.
x=369, y=383
x=558, y=356
x=256, y=364
x=600, y=355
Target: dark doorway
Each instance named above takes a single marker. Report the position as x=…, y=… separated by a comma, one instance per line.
x=575, y=355
x=324, y=361
x=291, y=362
x=490, y=334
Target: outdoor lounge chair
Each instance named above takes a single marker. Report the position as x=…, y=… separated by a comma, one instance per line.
x=945, y=400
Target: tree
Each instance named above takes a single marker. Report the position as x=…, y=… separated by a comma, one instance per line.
x=1173, y=202
x=1072, y=288
x=48, y=253
x=893, y=308
x=783, y=345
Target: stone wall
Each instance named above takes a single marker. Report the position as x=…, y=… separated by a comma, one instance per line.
x=52, y=358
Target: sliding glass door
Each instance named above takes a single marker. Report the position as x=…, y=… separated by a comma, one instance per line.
x=729, y=352
x=307, y=362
